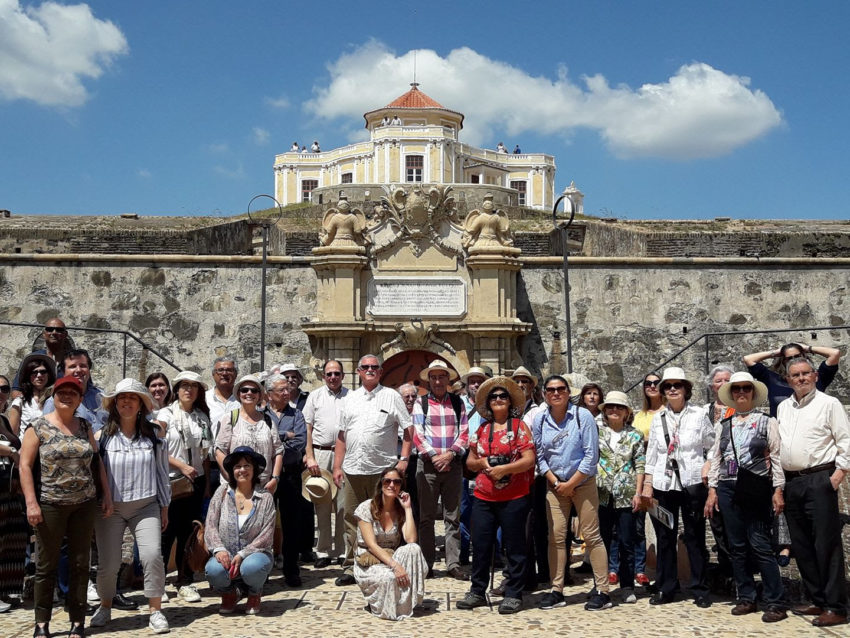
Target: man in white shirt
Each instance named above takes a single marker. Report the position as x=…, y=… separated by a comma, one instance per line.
x=366, y=445
x=815, y=454
x=220, y=399
x=322, y=414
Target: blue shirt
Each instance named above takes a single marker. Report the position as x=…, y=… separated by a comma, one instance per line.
x=90, y=409
x=290, y=420
x=566, y=447
x=474, y=420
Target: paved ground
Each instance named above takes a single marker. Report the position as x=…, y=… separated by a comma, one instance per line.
x=319, y=608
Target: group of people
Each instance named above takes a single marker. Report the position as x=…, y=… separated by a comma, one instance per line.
x=234, y=474
x=314, y=148
x=501, y=148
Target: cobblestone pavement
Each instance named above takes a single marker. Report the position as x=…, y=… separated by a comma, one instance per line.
x=319, y=608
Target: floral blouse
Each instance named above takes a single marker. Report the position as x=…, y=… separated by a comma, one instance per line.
x=66, y=472
x=510, y=442
x=621, y=459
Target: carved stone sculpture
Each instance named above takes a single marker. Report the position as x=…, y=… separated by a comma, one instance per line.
x=487, y=228
x=343, y=226
x=416, y=336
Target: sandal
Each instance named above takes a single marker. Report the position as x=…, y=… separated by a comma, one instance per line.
x=77, y=630
x=41, y=630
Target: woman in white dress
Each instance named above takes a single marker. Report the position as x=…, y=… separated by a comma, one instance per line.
x=389, y=566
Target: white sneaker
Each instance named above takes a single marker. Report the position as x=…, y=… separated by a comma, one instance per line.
x=158, y=624
x=189, y=594
x=629, y=596
x=164, y=596
x=92, y=596
x=102, y=616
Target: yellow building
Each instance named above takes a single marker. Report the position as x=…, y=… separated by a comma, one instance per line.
x=414, y=139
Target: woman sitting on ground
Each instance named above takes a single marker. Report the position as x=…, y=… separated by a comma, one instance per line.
x=240, y=531
x=388, y=565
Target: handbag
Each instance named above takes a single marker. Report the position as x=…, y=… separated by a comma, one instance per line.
x=181, y=487
x=752, y=490
x=195, y=550
x=367, y=559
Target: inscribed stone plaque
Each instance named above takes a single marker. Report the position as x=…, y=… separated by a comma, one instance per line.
x=416, y=297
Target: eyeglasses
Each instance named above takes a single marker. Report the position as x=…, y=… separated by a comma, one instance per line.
x=391, y=481
x=370, y=366
x=741, y=388
x=249, y=390
x=676, y=385
x=651, y=383
x=333, y=374
x=557, y=389
x=41, y=372
x=5, y=388
x=54, y=329
x=499, y=396
x=225, y=371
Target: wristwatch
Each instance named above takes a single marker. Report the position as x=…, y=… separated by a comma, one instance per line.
x=404, y=458
x=556, y=484
x=276, y=478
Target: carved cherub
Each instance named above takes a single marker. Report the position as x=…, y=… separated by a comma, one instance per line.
x=343, y=226
x=487, y=227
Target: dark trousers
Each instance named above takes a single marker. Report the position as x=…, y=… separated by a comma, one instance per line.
x=690, y=502
x=76, y=522
x=721, y=539
x=622, y=523
x=181, y=513
x=288, y=499
x=487, y=517
x=537, y=536
x=749, y=531
x=410, y=488
x=811, y=509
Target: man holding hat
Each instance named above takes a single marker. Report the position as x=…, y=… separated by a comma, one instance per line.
x=441, y=435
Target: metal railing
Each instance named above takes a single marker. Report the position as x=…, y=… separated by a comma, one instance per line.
x=735, y=333
x=125, y=334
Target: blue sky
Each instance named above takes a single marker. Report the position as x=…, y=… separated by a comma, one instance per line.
x=655, y=109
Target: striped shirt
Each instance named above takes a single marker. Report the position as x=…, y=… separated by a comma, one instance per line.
x=439, y=432
x=135, y=470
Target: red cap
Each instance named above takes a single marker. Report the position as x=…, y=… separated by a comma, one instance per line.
x=68, y=380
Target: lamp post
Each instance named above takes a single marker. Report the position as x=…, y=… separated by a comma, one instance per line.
x=575, y=197
x=265, y=223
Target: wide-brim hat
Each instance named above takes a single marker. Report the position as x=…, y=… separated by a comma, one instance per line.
x=257, y=459
x=615, y=397
x=289, y=367
x=759, y=389
x=677, y=374
x=129, y=386
x=476, y=371
x=318, y=489
x=71, y=381
x=522, y=371
x=188, y=375
x=49, y=363
x=517, y=395
x=248, y=378
x=440, y=366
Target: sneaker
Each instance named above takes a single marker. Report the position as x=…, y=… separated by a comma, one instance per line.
x=598, y=601
x=642, y=579
x=92, y=597
x=228, y=602
x=629, y=596
x=552, y=600
x=158, y=624
x=253, y=605
x=4, y=606
x=510, y=606
x=613, y=578
x=471, y=601
x=164, y=596
x=189, y=594
x=102, y=616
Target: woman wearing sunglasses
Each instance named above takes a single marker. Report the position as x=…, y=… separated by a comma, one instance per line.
x=501, y=451
x=748, y=443
x=680, y=437
x=388, y=564
x=36, y=377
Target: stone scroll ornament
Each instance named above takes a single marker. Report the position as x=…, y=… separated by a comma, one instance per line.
x=416, y=336
x=416, y=215
x=487, y=229
x=343, y=226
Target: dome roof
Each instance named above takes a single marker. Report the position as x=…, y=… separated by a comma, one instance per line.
x=414, y=99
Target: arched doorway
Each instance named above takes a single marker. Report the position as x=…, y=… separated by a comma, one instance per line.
x=405, y=367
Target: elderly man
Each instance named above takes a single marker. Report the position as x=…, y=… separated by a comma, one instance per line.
x=220, y=399
x=473, y=378
x=441, y=436
x=409, y=394
x=322, y=414
x=78, y=363
x=57, y=345
x=527, y=382
x=293, y=376
x=815, y=455
x=366, y=445
x=289, y=423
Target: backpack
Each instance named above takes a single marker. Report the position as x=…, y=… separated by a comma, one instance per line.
x=457, y=406
x=234, y=417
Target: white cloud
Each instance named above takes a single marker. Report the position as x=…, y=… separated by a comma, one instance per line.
x=698, y=112
x=47, y=51
x=144, y=173
x=261, y=136
x=281, y=102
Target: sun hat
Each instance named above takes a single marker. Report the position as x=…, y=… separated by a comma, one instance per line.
x=289, y=367
x=676, y=374
x=68, y=380
x=476, y=371
x=248, y=378
x=188, y=375
x=129, y=386
x=318, y=489
x=439, y=366
x=501, y=381
x=759, y=389
x=522, y=371
x=257, y=459
x=615, y=397
x=49, y=363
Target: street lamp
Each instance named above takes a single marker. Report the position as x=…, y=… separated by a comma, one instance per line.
x=265, y=223
x=575, y=197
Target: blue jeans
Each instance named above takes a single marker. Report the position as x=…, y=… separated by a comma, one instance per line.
x=617, y=526
x=253, y=572
x=640, y=548
x=487, y=517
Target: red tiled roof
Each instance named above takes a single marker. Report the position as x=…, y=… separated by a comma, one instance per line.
x=414, y=99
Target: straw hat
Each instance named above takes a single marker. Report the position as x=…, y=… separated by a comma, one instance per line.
x=476, y=371
x=318, y=489
x=438, y=366
x=615, y=397
x=129, y=386
x=522, y=371
x=484, y=390
x=248, y=378
x=188, y=375
x=759, y=389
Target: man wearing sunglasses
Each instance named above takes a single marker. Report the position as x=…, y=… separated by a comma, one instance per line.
x=367, y=444
x=56, y=343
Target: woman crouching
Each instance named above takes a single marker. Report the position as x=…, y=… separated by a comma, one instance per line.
x=239, y=532
x=389, y=566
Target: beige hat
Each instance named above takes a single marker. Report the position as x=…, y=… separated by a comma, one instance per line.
x=517, y=395
x=439, y=365
x=129, y=386
x=522, y=371
x=759, y=389
x=677, y=374
x=476, y=371
x=248, y=378
x=290, y=367
x=188, y=375
x=615, y=397
x=318, y=489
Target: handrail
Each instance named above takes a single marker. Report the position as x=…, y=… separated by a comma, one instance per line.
x=707, y=335
x=125, y=333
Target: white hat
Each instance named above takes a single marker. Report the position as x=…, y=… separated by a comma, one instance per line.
x=248, y=378
x=129, y=386
x=441, y=366
x=188, y=375
x=522, y=371
x=476, y=371
x=759, y=389
x=318, y=489
x=615, y=397
x=675, y=374
x=289, y=367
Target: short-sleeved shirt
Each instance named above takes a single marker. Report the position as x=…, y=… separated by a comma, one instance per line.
x=66, y=474
x=322, y=411
x=370, y=421
x=510, y=442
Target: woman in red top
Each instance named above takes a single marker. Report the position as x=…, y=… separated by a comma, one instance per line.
x=502, y=452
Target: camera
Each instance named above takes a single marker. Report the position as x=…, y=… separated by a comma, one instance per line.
x=500, y=459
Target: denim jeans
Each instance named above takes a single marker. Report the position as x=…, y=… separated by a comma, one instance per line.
x=487, y=517
x=639, y=548
x=253, y=572
x=618, y=527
